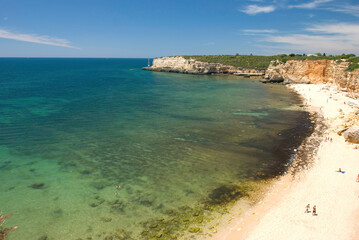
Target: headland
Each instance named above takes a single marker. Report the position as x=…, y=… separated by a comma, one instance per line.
x=336, y=71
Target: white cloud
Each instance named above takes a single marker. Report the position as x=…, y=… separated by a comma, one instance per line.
x=310, y=5
x=349, y=9
x=337, y=28
x=255, y=9
x=331, y=38
x=36, y=39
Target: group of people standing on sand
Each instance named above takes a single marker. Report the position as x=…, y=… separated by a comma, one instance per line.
x=328, y=139
x=314, y=212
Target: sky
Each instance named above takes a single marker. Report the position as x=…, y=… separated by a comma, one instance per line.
x=155, y=28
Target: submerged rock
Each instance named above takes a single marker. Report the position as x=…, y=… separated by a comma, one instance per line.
x=37, y=185
x=194, y=229
x=352, y=134
x=100, y=185
x=117, y=205
x=196, y=213
x=97, y=202
x=224, y=194
x=154, y=226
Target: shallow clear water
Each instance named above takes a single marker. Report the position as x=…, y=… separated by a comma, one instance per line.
x=73, y=129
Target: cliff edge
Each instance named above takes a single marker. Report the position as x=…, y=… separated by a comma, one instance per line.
x=292, y=71
x=315, y=71
x=192, y=66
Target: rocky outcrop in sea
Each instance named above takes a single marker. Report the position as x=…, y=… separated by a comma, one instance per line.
x=192, y=66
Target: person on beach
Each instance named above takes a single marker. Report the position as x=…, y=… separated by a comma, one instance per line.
x=314, y=210
x=307, y=207
x=358, y=178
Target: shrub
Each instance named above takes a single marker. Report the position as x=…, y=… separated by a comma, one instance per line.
x=262, y=62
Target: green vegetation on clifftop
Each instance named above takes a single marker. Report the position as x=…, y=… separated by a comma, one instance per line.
x=354, y=63
x=262, y=62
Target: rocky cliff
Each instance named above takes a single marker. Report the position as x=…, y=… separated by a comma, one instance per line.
x=293, y=71
x=182, y=65
x=315, y=71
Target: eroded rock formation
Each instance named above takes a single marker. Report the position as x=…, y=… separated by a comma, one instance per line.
x=352, y=134
x=293, y=71
x=182, y=65
x=315, y=71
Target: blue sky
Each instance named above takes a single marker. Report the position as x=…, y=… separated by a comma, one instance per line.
x=153, y=28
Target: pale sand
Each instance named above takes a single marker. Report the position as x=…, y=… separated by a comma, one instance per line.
x=280, y=215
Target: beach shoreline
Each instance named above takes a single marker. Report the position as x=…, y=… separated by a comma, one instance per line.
x=280, y=213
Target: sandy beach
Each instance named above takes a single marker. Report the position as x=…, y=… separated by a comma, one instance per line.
x=281, y=213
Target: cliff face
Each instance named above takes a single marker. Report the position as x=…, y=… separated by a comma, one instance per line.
x=315, y=71
x=294, y=71
x=182, y=65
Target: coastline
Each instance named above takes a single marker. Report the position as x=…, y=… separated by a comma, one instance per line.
x=280, y=213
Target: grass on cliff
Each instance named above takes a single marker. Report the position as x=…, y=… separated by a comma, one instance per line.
x=262, y=62
x=354, y=63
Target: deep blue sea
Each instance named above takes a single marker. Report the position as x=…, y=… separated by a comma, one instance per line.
x=180, y=148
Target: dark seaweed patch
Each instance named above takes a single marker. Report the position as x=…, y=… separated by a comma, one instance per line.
x=37, y=185
x=291, y=139
x=224, y=194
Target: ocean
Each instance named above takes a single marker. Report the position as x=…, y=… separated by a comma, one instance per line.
x=100, y=149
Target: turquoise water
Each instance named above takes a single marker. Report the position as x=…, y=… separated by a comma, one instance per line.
x=179, y=146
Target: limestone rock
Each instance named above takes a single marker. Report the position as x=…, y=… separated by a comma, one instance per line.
x=276, y=78
x=316, y=71
x=292, y=71
x=352, y=134
x=192, y=66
